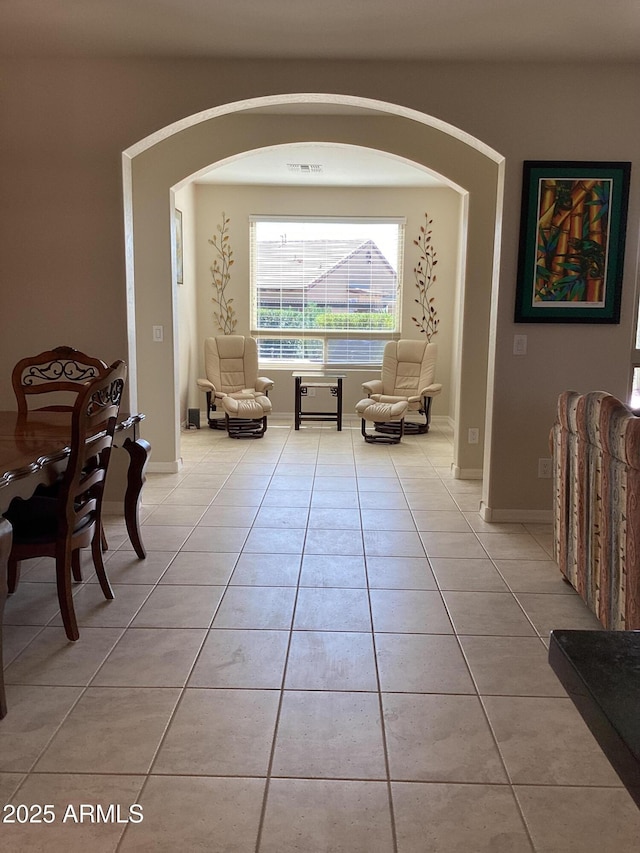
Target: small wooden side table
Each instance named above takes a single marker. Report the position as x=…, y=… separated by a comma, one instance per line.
x=314, y=379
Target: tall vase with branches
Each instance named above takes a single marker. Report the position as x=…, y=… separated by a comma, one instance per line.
x=221, y=275
x=427, y=320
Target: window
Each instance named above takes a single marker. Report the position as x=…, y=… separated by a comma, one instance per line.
x=325, y=291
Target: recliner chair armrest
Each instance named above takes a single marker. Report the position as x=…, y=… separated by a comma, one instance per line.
x=263, y=383
x=374, y=386
x=392, y=399
x=205, y=385
x=431, y=390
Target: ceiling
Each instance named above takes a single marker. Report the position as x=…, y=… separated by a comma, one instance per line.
x=320, y=165
x=494, y=30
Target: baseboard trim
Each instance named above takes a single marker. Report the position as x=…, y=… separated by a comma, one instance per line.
x=442, y=420
x=165, y=467
x=466, y=473
x=514, y=516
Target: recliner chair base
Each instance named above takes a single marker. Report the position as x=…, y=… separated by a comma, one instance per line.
x=217, y=423
x=385, y=437
x=410, y=428
x=245, y=427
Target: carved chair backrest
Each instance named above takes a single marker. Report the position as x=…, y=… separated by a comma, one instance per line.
x=54, y=377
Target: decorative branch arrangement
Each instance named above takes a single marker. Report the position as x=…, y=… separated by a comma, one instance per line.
x=221, y=273
x=427, y=320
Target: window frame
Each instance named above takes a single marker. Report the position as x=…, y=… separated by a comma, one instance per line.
x=325, y=335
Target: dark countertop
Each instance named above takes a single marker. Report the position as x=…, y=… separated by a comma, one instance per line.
x=600, y=670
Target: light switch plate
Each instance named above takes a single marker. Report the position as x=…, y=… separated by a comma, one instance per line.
x=519, y=344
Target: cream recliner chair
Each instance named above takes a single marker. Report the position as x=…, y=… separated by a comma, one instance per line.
x=232, y=382
x=408, y=371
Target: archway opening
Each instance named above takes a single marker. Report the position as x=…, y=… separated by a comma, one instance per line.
x=157, y=164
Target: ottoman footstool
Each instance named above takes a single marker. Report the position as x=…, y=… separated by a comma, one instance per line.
x=382, y=413
x=246, y=416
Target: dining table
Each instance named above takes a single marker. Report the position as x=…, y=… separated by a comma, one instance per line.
x=34, y=448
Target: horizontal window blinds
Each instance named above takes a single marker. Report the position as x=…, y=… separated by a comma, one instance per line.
x=325, y=290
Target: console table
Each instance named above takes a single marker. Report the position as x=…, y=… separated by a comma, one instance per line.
x=600, y=670
x=312, y=379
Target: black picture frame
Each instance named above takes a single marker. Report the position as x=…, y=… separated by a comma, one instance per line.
x=572, y=238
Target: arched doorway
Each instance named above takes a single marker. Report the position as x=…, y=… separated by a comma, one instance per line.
x=154, y=165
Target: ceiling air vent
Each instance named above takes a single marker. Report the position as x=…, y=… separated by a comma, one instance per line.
x=305, y=168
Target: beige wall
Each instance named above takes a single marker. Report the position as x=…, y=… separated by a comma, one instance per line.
x=238, y=202
x=62, y=255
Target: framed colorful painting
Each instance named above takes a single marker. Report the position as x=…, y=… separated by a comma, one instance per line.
x=572, y=235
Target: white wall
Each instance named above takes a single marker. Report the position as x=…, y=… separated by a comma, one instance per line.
x=238, y=202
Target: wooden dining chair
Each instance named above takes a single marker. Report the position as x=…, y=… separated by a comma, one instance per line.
x=58, y=526
x=54, y=378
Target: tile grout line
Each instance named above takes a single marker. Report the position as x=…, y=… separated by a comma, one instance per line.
x=383, y=731
x=268, y=775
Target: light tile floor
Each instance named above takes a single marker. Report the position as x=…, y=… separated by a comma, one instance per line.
x=326, y=649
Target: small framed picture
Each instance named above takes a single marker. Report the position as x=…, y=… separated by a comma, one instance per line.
x=572, y=237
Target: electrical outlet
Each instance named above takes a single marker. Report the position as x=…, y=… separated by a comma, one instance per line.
x=474, y=435
x=544, y=469
x=158, y=334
